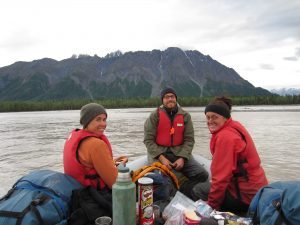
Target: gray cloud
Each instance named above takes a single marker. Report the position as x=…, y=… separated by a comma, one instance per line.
x=254, y=25
x=267, y=66
x=291, y=58
x=277, y=19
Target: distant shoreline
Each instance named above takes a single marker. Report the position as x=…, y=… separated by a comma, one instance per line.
x=50, y=105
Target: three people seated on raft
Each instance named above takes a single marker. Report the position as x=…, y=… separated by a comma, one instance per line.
x=236, y=172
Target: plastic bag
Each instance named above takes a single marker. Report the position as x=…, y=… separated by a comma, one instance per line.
x=178, y=205
x=176, y=219
x=203, y=209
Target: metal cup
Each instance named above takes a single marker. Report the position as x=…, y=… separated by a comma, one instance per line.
x=156, y=212
x=103, y=220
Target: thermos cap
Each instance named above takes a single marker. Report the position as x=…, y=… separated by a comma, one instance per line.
x=122, y=168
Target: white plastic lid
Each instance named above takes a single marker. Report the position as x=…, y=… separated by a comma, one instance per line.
x=145, y=180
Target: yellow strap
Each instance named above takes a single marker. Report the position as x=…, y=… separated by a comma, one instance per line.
x=154, y=166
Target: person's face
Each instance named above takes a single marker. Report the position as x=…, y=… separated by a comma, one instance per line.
x=214, y=121
x=169, y=100
x=97, y=125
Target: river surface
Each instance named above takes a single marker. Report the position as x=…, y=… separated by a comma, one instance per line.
x=35, y=140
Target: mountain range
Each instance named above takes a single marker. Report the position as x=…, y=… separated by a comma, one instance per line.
x=123, y=75
x=286, y=91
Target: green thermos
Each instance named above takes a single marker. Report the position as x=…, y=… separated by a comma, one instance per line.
x=124, y=198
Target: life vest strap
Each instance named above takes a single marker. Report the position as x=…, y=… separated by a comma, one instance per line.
x=242, y=172
x=91, y=176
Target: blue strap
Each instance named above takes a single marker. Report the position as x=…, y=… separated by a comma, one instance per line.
x=49, y=192
x=63, y=197
x=51, y=195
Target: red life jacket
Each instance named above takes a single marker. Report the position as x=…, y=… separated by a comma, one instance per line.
x=86, y=176
x=168, y=134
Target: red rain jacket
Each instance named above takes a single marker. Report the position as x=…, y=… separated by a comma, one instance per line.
x=229, y=145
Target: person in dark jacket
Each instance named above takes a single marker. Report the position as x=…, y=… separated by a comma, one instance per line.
x=169, y=138
x=236, y=168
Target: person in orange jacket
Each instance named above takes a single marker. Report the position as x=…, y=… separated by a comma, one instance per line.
x=236, y=168
x=87, y=152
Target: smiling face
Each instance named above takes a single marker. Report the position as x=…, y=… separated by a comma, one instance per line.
x=97, y=125
x=169, y=100
x=214, y=121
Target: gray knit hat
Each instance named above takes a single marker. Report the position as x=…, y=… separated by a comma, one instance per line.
x=89, y=111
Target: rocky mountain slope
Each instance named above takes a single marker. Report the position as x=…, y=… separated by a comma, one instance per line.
x=132, y=74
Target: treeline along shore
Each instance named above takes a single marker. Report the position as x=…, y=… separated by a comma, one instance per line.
x=75, y=104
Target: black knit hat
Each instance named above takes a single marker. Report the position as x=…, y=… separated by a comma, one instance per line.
x=219, y=108
x=89, y=111
x=167, y=90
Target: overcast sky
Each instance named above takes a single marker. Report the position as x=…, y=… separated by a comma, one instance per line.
x=259, y=39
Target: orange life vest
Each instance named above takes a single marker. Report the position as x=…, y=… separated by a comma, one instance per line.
x=86, y=176
x=168, y=133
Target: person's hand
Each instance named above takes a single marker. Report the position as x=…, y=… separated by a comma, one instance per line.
x=165, y=162
x=178, y=164
x=121, y=159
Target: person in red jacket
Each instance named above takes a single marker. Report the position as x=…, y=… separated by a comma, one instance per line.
x=236, y=168
x=87, y=152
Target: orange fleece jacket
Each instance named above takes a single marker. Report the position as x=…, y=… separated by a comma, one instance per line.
x=94, y=153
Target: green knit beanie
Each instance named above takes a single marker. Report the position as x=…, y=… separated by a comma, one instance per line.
x=89, y=111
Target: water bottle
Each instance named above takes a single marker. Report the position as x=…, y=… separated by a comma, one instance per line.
x=124, y=198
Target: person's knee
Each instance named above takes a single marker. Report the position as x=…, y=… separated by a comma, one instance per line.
x=200, y=191
x=205, y=175
x=195, y=171
x=201, y=176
